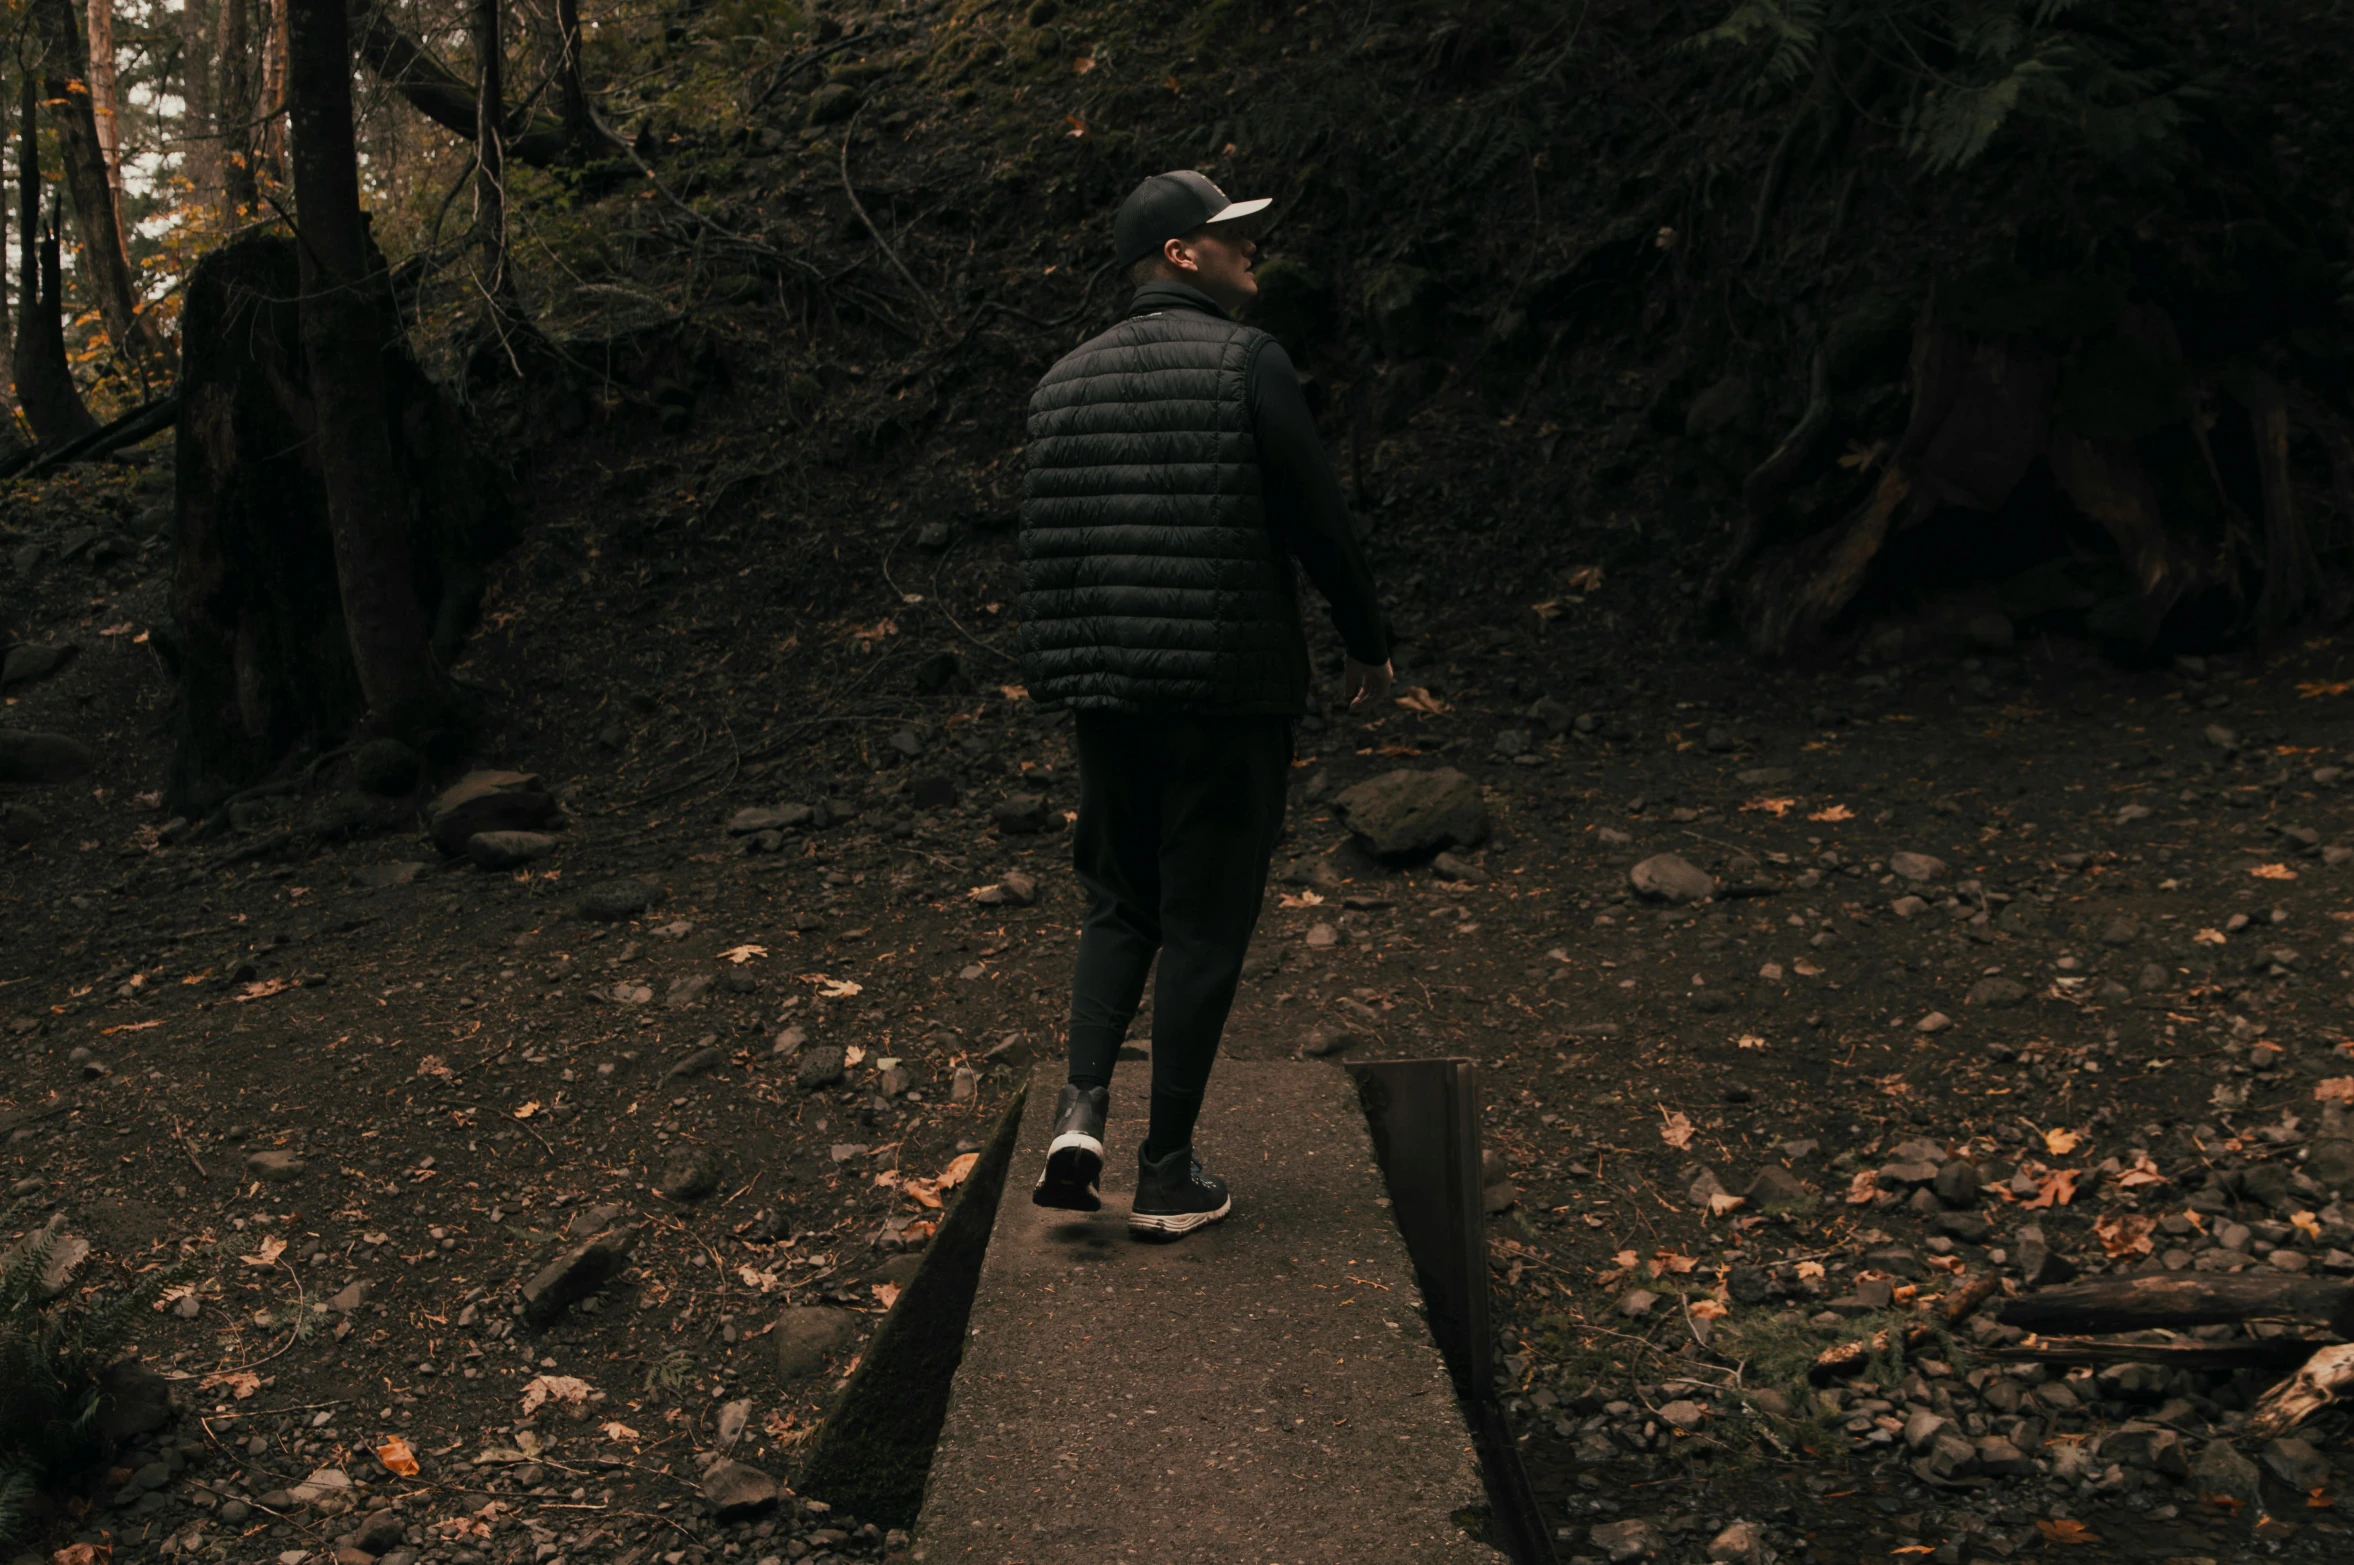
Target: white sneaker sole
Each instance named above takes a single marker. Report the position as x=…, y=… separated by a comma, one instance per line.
x=1073, y=1172
x=1165, y=1223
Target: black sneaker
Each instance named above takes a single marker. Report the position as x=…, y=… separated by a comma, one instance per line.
x=1174, y=1196
x=1074, y=1159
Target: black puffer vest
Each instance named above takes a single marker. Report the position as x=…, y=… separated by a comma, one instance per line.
x=1149, y=579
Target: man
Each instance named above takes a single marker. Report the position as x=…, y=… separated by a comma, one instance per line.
x=1174, y=475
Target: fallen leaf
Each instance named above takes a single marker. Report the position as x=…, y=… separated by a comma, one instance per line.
x=617, y=1430
x=2311, y=689
x=528, y=1109
x=569, y=1390
x=2059, y=1143
x=432, y=1065
x=1417, y=699
x=2209, y=937
x=2142, y=1175
x=2306, y=1223
x=1675, y=1130
x=837, y=988
x=1806, y=969
x=742, y=954
x=2066, y=1529
x=1863, y=1188
x=1777, y=808
x=1722, y=1204
x=1304, y=899
x=2334, y=1089
x=1711, y=1309
x=1550, y=609
x=2126, y=1233
x=1667, y=1263
x=959, y=1169
x=854, y=1054
x=267, y=1255
x=2273, y=872
x=262, y=989
x=1836, y=812
x=1078, y=126
x=1811, y=1271
x=2319, y=1498
x=2057, y=1189
x=887, y=1292
x=1082, y=65
x=82, y=1554
x=396, y=1456
x=239, y=1383
x=1586, y=578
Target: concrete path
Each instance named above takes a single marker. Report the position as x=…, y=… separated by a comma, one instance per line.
x=1261, y=1392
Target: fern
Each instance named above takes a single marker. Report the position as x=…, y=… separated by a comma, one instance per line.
x=1793, y=29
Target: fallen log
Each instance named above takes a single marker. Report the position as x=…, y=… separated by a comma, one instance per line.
x=2139, y=1302
x=128, y=430
x=1844, y=1359
x=438, y=93
x=2326, y=1376
x=2250, y=1353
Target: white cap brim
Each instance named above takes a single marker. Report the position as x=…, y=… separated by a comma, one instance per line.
x=1236, y=211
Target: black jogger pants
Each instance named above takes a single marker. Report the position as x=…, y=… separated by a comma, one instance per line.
x=1178, y=817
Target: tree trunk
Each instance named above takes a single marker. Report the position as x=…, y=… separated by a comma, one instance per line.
x=102, y=107
x=2144, y=1300
x=234, y=115
x=571, y=94
x=44, y=381
x=344, y=336
x=200, y=147
x=106, y=270
x=269, y=155
x=433, y=90
x=7, y=320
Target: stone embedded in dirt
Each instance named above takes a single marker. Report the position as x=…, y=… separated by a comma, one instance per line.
x=1328, y=1039
x=1949, y=1455
x=1969, y=1227
x=1705, y=1188
x=788, y=1043
x=1013, y=889
x=1996, y=993
x=1958, y=1184
x=1935, y=1021
x=576, y=1272
x=616, y=900
x=487, y=801
x=1916, y=866
x=691, y=1174
x=785, y=817
x=1632, y=1539
x=696, y=1063
x=2120, y=931
x=819, y=1067
x=2268, y=1184
x=29, y=664
x=1683, y=1415
x=352, y=1296
x=1906, y=1174
x=1404, y=813
x=42, y=758
x=322, y=1482
x=133, y=1400
x=1922, y=1429
x=2152, y=1447
x=1448, y=866
x=1020, y=814
x=1776, y=1189
x=1512, y=742
x=501, y=850
x=386, y=768
x=964, y=1086
x=733, y=1416
x=1322, y=936
x=831, y=103
x=2040, y=1266
x=375, y=877
x=1636, y=1303
x=2152, y=978
x=275, y=1168
x=738, y=1493
x=1738, y=1544
x=687, y=991
x=809, y=1335
x=591, y=1221
x=2221, y=737
x=2220, y=1469
x=1765, y=776
x=2000, y=1458
x=21, y=823
x=1710, y=1001
x=2298, y=1463
x=1908, y=906
x=1670, y=877
x=1501, y=1196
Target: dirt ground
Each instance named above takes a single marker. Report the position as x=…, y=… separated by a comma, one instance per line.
x=460, y=1063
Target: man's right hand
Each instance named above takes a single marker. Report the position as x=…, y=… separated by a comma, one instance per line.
x=1366, y=682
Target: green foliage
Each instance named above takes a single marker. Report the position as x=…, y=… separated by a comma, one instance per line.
x=1966, y=70
x=51, y=1353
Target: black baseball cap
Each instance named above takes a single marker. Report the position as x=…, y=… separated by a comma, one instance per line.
x=1170, y=205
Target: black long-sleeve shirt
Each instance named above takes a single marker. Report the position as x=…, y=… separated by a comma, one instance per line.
x=1305, y=508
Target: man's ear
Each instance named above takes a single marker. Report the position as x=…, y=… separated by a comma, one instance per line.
x=1179, y=255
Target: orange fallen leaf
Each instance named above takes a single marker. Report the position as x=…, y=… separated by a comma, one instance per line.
x=2310, y=689
x=2058, y=1188
x=2334, y=1089
x=396, y=1456
x=1777, y=808
x=2066, y=1529
x=1586, y=578
x=2059, y=1143
x=1082, y=65
x=1711, y=1309
x=1078, y=126
x=1675, y=1129
x=887, y=1292
x=2319, y=1499
x=2273, y=872
x=1836, y=812
x=83, y=1554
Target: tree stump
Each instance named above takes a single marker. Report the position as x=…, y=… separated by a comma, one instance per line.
x=261, y=650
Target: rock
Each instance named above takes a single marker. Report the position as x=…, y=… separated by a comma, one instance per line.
x=1013, y=889
x=2221, y=737
x=964, y=1086
x=2040, y=1266
x=1772, y=1403
x=687, y=991
x=2298, y=1463
x=1329, y=1039
x=2120, y=931
x=1632, y=1539
x=375, y=877
x=616, y=900
x=1670, y=877
x=1404, y=813
x=1997, y=993
x=2002, y=1459
x=1705, y=1189
x=1683, y=1415
x=1922, y=1429
x=820, y=1067
x=29, y=664
x=738, y=1493
x=349, y=1298
x=1935, y=1021
x=1951, y=1455
x=733, y=1416
x=386, y=768
x=1958, y=1184
x=831, y=104
x=379, y=1533
x=1511, y=742
x=785, y=817
x=133, y=1400
x=1448, y=866
x=809, y=1335
x=2268, y=1183
x=2221, y=1470
x=1916, y=866
x=275, y=1168
x=1502, y=1196
x=500, y=850
x=1636, y=1303
x=700, y=1062
x=576, y=1272
x=1020, y=814
x=42, y=758
x=1738, y=1544
x=487, y=801
x=2152, y=978
x=1908, y=907
x=2151, y=1447
x=322, y=1482
x=21, y=823
x=691, y=1174
x=1776, y=1189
